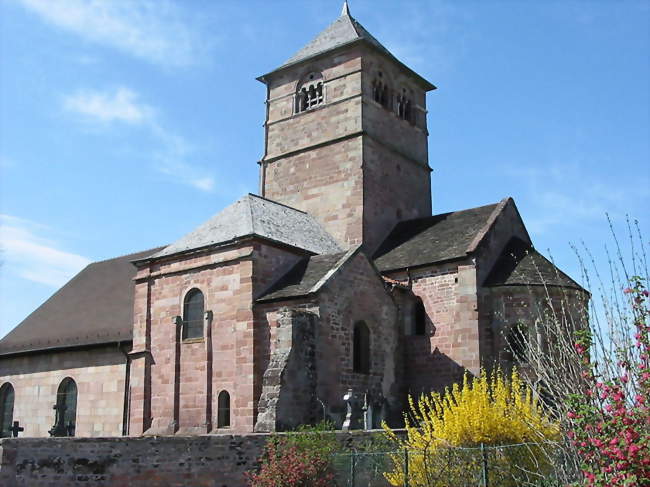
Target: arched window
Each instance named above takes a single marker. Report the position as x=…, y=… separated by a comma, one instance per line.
x=381, y=91
x=223, y=410
x=193, y=315
x=6, y=409
x=419, y=318
x=65, y=422
x=517, y=342
x=361, y=348
x=310, y=93
x=404, y=107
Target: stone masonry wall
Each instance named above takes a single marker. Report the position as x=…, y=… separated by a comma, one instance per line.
x=100, y=376
x=450, y=344
x=179, y=461
x=356, y=293
x=182, y=378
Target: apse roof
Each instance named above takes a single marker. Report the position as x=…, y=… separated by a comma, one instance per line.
x=521, y=265
x=343, y=31
x=94, y=307
x=256, y=216
x=432, y=239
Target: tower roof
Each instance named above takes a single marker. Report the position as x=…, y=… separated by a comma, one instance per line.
x=343, y=31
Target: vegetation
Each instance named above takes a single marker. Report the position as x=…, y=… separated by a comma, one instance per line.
x=488, y=410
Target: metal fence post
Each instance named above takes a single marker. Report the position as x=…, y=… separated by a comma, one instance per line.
x=406, y=467
x=352, y=468
x=484, y=466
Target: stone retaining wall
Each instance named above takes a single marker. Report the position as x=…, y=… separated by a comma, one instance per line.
x=162, y=461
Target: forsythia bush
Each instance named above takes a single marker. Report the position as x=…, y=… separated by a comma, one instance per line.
x=491, y=410
x=610, y=419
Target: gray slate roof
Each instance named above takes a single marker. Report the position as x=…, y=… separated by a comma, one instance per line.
x=254, y=215
x=94, y=307
x=344, y=30
x=306, y=277
x=521, y=265
x=432, y=239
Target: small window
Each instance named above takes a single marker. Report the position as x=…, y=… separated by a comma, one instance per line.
x=310, y=93
x=6, y=409
x=419, y=318
x=361, y=348
x=380, y=91
x=223, y=410
x=193, y=315
x=404, y=107
x=65, y=422
x=517, y=343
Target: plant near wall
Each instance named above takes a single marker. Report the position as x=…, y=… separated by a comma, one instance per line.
x=445, y=432
x=609, y=420
x=297, y=459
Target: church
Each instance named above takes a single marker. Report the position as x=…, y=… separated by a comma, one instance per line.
x=335, y=281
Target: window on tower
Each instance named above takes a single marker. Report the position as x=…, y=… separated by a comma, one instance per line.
x=404, y=107
x=310, y=93
x=381, y=91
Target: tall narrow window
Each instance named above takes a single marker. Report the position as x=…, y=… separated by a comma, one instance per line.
x=223, y=410
x=517, y=343
x=380, y=91
x=65, y=422
x=404, y=107
x=193, y=315
x=6, y=409
x=361, y=348
x=419, y=318
x=310, y=93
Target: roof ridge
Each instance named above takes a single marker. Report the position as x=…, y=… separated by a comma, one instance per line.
x=154, y=249
x=277, y=203
x=480, y=235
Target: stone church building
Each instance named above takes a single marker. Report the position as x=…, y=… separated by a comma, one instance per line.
x=336, y=277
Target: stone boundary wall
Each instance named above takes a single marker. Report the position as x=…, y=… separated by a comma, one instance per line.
x=158, y=461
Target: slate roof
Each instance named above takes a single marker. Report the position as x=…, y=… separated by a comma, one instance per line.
x=344, y=30
x=521, y=265
x=94, y=307
x=306, y=277
x=437, y=238
x=254, y=215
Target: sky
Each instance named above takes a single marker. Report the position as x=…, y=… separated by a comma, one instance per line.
x=124, y=124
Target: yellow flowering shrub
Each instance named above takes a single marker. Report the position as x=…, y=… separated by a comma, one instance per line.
x=444, y=431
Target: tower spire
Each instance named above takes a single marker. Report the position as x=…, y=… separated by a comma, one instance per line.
x=345, y=11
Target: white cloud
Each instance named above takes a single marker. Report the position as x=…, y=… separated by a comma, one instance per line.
x=33, y=257
x=148, y=29
x=119, y=106
x=122, y=105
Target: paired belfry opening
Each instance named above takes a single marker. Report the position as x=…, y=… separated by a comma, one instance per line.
x=310, y=93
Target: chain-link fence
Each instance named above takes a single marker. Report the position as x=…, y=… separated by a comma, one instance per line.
x=526, y=464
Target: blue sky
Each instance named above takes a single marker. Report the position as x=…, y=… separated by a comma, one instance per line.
x=125, y=124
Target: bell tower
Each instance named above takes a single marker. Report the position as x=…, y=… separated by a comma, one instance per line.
x=346, y=135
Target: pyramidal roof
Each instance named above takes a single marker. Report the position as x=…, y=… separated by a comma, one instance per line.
x=344, y=30
x=256, y=216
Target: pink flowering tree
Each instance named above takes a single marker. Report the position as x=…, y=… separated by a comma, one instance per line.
x=609, y=418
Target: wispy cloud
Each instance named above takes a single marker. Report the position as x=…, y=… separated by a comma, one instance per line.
x=567, y=194
x=123, y=106
x=148, y=29
x=120, y=105
x=30, y=255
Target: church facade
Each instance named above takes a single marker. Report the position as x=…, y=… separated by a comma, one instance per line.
x=336, y=279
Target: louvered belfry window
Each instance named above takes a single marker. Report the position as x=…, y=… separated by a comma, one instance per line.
x=193, y=315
